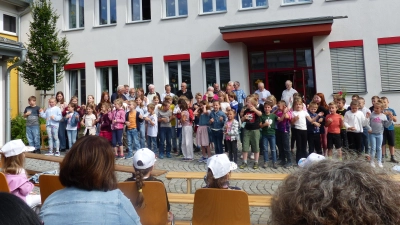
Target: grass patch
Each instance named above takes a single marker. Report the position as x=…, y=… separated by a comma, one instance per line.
x=397, y=137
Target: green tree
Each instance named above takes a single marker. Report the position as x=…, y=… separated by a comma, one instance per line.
x=38, y=69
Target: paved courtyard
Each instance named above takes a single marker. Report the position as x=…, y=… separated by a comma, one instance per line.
x=259, y=215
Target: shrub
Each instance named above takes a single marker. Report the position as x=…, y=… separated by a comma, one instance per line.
x=18, y=128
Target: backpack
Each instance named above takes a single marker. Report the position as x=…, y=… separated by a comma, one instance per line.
x=191, y=115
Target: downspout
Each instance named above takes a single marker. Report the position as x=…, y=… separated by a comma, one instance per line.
x=8, y=97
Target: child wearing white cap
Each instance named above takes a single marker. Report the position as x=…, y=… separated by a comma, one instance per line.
x=219, y=169
x=12, y=165
x=143, y=163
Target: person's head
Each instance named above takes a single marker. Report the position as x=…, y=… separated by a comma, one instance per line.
x=288, y=84
x=168, y=99
x=231, y=114
x=271, y=99
x=183, y=104
x=132, y=105
x=210, y=96
x=256, y=96
x=281, y=105
x=319, y=98
x=120, y=89
x=105, y=107
x=204, y=103
x=52, y=102
x=374, y=99
x=143, y=162
x=167, y=88
x=385, y=102
x=229, y=87
x=150, y=108
x=355, y=97
x=74, y=100
x=132, y=91
x=90, y=99
x=334, y=192
x=340, y=102
x=313, y=107
x=296, y=95
x=105, y=97
x=90, y=108
x=175, y=99
x=32, y=101
x=216, y=87
x=221, y=97
x=139, y=101
x=260, y=86
x=126, y=88
x=354, y=105
x=156, y=99
x=72, y=107
x=139, y=92
x=332, y=107
x=252, y=102
x=165, y=106
x=118, y=103
x=210, y=88
x=13, y=157
x=151, y=88
x=216, y=105
x=361, y=101
x=14, y=210
x=268, y=107
x=89, y=165
x=231, y=96
x=183, y=86
x=298, y=104
x=219, y=169
x=236, y=85
x=198, y=97
x=60, y=97
x=378, y=107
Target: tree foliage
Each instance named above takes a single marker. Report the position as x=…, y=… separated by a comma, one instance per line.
x=38, y=69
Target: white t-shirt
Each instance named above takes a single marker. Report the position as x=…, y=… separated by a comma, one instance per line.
x=177, y=110
x=287, y=96
x=89, y=120
x=224, y=106
x=301, y=123
x=152, y=129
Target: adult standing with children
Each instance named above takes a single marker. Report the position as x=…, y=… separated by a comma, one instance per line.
x=150, y=95
x=62, y=104
x=287, y=94
x=262, y=93
x=184, y=91
x=240, y=95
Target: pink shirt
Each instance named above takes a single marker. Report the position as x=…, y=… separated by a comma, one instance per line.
x=228, y=129
x=19, y=185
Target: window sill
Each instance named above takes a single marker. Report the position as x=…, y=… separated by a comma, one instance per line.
x=174, y=17
x=391, y=91
x=297, y=3
x=105, y=25
x=253, y=8
x=139, y=21
x=8, y=33
x=75, y=29
x=212, y=13
x=352, y=93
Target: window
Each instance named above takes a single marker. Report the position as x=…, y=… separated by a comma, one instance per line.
x=140, y=10
x=8, y=23
x=75, y=12
x=389, y=60
x=210, y=6
x=107, y=12
x=175, y=8
x=248, y=4
x=294, y=2
x=217, y=71
x=348, y=72
x=109, y=79
x=77, y=85
x=142, y=76
x=179, y=72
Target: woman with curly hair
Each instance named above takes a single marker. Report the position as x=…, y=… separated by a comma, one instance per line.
x=329, y=192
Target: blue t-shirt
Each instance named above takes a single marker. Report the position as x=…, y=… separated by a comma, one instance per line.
x=391, y=127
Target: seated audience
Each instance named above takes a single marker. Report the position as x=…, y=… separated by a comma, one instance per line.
x=91, y=195
x=329, y=192
x=14, y=211
x=219, y=171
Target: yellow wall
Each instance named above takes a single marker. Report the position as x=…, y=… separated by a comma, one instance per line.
x=13, y=84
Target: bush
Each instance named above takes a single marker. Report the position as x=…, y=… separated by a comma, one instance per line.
x=18, y=128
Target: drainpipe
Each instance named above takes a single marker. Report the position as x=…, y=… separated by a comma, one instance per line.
x=8, y=106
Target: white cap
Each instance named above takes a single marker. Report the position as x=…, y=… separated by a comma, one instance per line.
x=220, y=165
x=146, y=156
x=15, y=147
x=313, y=157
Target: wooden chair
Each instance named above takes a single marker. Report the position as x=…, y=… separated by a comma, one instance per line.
x=154, y=198
x=48, y=185
x=3, y=183
x=219, y=206
x=43, y=135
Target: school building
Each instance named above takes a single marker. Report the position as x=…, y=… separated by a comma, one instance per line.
x=322, y=46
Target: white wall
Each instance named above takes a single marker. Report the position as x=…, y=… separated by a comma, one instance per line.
x=368, y=20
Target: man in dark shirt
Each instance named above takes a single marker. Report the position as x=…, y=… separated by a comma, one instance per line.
x=184, y=91
x=119, y=94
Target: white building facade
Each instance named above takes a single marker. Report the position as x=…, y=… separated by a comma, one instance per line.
x=322, y=46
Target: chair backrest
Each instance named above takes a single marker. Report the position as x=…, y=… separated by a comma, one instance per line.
x=3, y=183
x=155, y=211
x=48, y=185
x=220, y=206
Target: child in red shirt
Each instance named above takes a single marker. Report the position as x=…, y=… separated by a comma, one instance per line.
x=334, y=122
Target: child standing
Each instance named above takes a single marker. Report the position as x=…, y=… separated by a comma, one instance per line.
x=313, y=130
x=72, y=120
x=300, y=126
x=283, y=134
x=132, y=119
x=223, y=102
x=334, y=122
x=12, y=165
x=378, y=121
x=231, y=131
x=142, y=110
x=232, y=102
x=354, y=121
x=117, y=127
x=53, y=117
x=187, y=131
x=152, y=127
x=251, y=132
x=203, y=112
x=164, y=117
x=31, y=113
x=365, y=136
x=105, y=121
x=388, y=133
x=217, y=120
x=341, y=102
x=89, y=121
x=268, y=121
